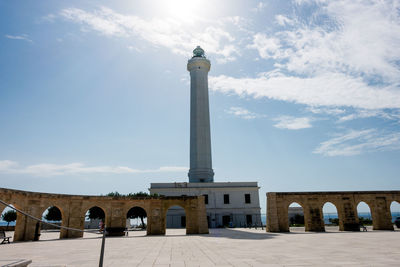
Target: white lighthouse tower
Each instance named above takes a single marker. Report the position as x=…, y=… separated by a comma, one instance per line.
x=200, y=138
x=234, y=204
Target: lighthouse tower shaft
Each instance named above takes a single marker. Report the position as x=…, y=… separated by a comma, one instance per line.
x=200, y=138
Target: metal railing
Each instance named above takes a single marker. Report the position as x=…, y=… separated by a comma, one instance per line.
x=63, y=227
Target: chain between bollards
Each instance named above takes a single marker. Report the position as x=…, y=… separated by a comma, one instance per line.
x=61, y=227
x=103, y=241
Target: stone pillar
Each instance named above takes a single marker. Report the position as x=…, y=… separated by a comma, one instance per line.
x=200, y=137
x=64, y=223
x=116, y=221
x=348, y=216
x=74, y=219
x=273, y=214
x=156, y=219
x=313, y=217
x=25, y=226
x=381, y=217
x=196, y=217
x=19, y=227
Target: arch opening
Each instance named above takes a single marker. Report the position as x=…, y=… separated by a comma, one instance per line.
x=395, y=212
x=175, y=220
x=94, y=220
x=296, y=217
x=47, y=232
x=8, y=221
x=331, y=217
x=364, y=216
x=136, y=221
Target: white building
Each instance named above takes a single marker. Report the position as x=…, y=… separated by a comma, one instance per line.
x=234, y=204
x=228, y=204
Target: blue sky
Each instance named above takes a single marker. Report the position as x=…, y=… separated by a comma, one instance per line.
x=304, y=95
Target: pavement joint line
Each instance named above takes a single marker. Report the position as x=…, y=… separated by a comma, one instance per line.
x=202, y=250
x=380, y=248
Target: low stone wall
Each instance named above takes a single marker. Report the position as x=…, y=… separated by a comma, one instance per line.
x=5, y=228
x=346, y=204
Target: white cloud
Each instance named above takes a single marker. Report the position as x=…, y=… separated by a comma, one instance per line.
x=268, y=47
x=345, y=54
x=293, y=123
x=358, y=37
x=7, y=164
x=242, y=113
x=283, y=20
x=328, y=111
x=132, y=47
x=174, y=34
x=48, y=18
x=362, y=114
x=23, y=37
x=260, y=7
x=301, y=2
x=335, y=89
x=355, y=142
x=345, y=115
x=47, y=169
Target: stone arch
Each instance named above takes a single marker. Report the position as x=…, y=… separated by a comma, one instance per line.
x=395, y=204
x=88, y=206
x=43, y=226
x=19, y=222
x=366, y=203
x=177, y=203
x=363, y=215
x=335, y=219
x=131, y=205
x=12, y=203
x=15, y=204
x=297, y=218
x=94, y=224
x=47, y=206
x=139, y=210
x=334, y=202
x=175, y=220
x=395, y=213
x=96, y=206
x=5, y=209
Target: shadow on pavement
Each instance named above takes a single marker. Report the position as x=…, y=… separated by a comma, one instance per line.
x=233, y=233
x=236, y=233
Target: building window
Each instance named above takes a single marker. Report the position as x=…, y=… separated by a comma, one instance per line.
x=247, y=199
x=226, y=198
x=205, y=199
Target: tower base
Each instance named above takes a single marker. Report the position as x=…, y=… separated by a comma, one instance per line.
x=201, y=176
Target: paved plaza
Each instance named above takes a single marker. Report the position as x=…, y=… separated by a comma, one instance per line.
x=222, y=247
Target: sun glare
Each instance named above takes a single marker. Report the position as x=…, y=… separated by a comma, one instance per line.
x=181, y=9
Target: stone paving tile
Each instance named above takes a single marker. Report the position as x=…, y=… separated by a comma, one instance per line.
x=223, y=247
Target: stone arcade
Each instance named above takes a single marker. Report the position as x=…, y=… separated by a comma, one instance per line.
x=346, y=204
x=74, y=207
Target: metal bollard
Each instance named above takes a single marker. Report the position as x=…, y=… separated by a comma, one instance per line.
x=103, y=241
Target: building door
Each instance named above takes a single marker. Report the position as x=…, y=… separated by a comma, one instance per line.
x=183, y=221
x=226, y=220
x=249, y=219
